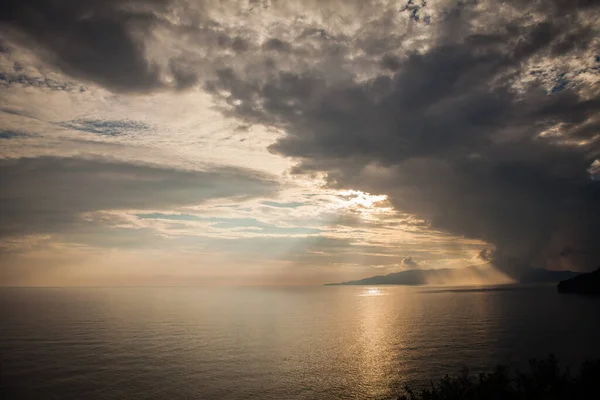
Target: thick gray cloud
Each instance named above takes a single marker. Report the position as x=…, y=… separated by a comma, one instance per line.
x=99, y=40
x=47, y=194
x=464, y=135
x=487, y=127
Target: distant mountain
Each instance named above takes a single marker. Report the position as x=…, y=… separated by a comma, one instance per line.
x=460, y=276
x=409, y=277
x=582, y=284
x=538, y=275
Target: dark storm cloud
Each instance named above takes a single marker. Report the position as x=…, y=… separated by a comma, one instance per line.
x=240, y=45
x=9, y=79
x=277, y=45
x=10, y=134
x=594, y=171
x=44, y=195
x=99, y=40
x=484, y=132
x=390, y=62
x=458, y=137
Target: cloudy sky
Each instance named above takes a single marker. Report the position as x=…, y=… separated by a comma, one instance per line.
x=173, y=142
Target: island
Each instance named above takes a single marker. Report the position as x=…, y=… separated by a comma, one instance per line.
x=462, y=276
x=588, y=284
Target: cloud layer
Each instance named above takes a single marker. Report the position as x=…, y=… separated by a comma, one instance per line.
x=468, y=134
x=48, y=194
x=480, y=119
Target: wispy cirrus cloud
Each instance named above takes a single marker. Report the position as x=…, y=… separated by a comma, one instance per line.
x=10, y=134
x=106, y=127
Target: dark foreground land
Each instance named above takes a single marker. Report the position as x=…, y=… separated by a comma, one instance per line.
x=545, y=380
x=587, y=284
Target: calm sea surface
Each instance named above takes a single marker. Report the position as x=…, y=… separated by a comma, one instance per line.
x=276, y=343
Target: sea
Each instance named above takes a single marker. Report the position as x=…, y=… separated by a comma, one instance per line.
x=326, y=342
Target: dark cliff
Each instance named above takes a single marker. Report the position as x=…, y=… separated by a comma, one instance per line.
x=582, y=284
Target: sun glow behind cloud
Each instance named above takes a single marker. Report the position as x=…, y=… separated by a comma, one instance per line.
x=367, y=205
x=338, y=234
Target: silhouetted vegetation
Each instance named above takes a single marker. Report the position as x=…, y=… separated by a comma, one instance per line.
x=545, y=380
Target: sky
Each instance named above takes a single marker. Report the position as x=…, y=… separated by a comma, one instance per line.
x=263, y=142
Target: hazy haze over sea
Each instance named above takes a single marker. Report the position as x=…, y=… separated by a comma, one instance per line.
x=276, y=343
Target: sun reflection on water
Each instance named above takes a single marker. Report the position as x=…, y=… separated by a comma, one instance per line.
x=374, y=351
x=372, y=292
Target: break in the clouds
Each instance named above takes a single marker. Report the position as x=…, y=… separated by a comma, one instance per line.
x=357, y=134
